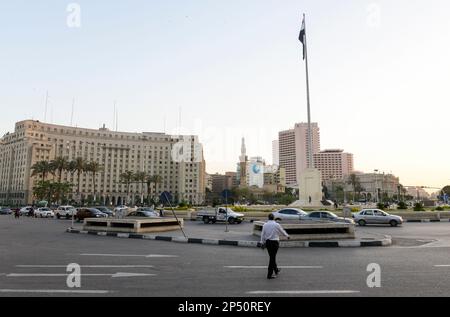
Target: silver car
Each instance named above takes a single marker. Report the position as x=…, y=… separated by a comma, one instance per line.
x=327, y=216
x=377, y=217
x=289, y=214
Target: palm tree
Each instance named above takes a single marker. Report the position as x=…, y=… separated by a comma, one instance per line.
x=41, y=168
x=94, y=168
x=139, y=177
x=127, y=178
x=78, y=166
x=354, y=181
x=149, y=180
x=59, y=165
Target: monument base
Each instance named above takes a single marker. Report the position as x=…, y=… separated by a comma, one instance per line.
x=310, y=188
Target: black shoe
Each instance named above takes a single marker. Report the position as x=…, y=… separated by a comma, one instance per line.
x=277, y=271
x=271, y=277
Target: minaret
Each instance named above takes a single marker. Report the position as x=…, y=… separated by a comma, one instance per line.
x=243, y=164
x=243, y=157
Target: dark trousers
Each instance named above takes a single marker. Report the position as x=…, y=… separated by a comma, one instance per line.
x=272, y=248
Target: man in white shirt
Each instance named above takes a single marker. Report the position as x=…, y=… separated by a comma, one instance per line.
x=270, y=236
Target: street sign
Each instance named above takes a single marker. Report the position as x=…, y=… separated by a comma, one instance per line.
x=226, y=193
x=165, y=197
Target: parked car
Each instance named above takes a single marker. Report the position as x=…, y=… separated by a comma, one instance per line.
x=105, y=210
x=121, y=211
x=289, y=214
x=144, y=212
x=327, y=216
x=376, y=217
x=65, y=212
x=44, y=212
x=5, y=211
x=220, y=214
x=27, y=211
x=83, y=213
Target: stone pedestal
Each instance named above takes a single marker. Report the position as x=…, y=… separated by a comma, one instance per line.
x=310, y=188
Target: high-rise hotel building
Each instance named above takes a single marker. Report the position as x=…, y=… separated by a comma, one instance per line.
x=294, y=152
x=177, y=159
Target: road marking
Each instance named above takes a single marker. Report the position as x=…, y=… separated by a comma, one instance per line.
x=446, y=265
x=301, y=292
x=55, y=291
x=86, y=266
x=132, y=255
x=281, y=267
x=119, y=274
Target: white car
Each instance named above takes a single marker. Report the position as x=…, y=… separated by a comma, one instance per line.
x=44, y=213
x=289, y=214
x=65, y=212
x=25, y=211
x=121, y=211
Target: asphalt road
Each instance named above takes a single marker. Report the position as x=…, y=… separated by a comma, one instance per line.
x=34, y=254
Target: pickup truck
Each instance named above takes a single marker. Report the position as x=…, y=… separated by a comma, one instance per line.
x=220, y=214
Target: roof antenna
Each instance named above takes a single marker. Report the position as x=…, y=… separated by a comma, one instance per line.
x=46, y=104
x=71, y=116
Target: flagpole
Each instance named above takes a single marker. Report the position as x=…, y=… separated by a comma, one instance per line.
x=310, y=143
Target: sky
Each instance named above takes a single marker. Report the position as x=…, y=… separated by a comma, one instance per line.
x=379, y=74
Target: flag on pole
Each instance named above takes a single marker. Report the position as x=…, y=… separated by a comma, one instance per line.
x=302, y=37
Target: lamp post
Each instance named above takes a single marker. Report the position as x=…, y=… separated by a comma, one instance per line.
x=376, y=186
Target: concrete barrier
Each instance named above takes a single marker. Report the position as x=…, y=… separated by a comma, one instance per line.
x=312, y=231
x=132, y=225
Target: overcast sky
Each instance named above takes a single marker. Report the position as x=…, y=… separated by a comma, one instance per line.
x=379, y=72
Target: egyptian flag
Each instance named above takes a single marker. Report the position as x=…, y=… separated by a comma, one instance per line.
x=302, y=37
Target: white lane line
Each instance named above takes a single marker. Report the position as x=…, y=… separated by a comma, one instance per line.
x=119, y=274
x=54, y=291
x=265, y=267
x=86, y=266
x=302, y=292
x=445, y=265
x=131, y=255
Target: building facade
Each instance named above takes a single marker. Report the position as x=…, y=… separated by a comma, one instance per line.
x=333, y=164
x=275, y=152
x=177, y=159
x=375, y=187
x=221, y=182
x=293, y=150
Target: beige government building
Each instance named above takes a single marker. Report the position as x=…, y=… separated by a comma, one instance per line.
x=177, y=159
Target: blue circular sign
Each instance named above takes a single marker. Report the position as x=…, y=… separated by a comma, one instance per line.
x=256, y=168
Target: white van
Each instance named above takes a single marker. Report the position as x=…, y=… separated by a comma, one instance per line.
x=65, y=211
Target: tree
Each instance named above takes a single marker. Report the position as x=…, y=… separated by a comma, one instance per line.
x=94, y=168
x=78, y=166
x=59, y=165
x=339, y=192
x=446, y=190
x=149, y=180
x=51, y=191
x=139, y=177
x=127, y=178
x=41, y=168
x=354, y=181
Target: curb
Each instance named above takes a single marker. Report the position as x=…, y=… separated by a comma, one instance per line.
x=386, y=241
x=427, y=220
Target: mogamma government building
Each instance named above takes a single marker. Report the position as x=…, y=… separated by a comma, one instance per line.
x=178, y=160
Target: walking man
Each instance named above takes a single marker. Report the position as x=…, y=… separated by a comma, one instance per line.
x=270, y=237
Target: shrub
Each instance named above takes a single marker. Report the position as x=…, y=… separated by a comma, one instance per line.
x=418, y=207
x=402, y=206
x=380, y=206
x=239, y=209
x=439, y=208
